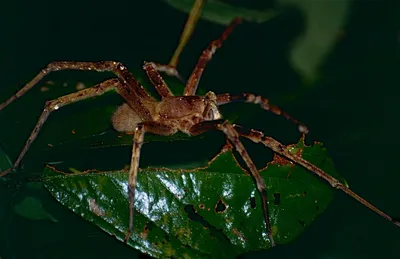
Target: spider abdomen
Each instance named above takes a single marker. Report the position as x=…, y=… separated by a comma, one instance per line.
x=125, y=119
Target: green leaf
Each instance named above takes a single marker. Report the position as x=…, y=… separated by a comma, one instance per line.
x=213, y=211
x=324, y=28
x=32, y=208
x=223, y=13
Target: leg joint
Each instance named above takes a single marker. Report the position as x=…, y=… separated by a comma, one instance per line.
x=52, y=105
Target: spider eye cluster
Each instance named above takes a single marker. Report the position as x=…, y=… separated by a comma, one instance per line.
x=213, y=112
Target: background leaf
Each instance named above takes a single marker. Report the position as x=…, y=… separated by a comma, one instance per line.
x=223, y=12
x=323, y=27
x=32, y=208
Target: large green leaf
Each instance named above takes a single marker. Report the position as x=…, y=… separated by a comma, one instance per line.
x=324, y=28
x=222, y=12
x=204, y=212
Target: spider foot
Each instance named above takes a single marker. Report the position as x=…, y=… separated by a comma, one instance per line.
x=170, y=70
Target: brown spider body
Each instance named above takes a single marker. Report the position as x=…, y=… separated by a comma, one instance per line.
x=189, y=113
x=180, y=113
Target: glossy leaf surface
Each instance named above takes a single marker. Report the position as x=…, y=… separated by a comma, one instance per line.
x=204, y=212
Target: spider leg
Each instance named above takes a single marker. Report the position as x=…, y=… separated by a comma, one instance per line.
x=111, y=84
x=133, y=88
x=169, y=70
x=153, y=127
x=206, y=56
x=264, y=104
x=156, y=79
x=258, y=137
x=233, y=137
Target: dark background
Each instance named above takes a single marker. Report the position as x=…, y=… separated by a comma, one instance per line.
x=352, y=108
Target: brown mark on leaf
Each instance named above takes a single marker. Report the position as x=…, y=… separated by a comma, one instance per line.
x=145, y=233
x=279, y=160
x=239, y=234
x=73, y=131
x=283, y=161
x=55, y=170
x=181, y=232
x=201, y=206
x=95, y=208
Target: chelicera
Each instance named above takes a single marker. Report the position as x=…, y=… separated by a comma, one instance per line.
x=188, y=113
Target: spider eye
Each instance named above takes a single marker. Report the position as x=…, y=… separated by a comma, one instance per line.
x=211, y=114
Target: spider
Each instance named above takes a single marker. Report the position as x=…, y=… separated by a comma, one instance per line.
x=190, y=114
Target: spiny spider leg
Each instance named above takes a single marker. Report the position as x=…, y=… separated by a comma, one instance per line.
x=156, y=79
x=152, y=127
x=258, y=136
x=112, y=84
x=102, y=66
x=233, y=136
x=206, y=56
x=263, y=102
x=169, y=70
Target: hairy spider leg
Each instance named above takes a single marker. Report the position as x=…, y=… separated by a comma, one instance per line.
x=206, y=56
x=141, y=129
x=233, y=137
x=156, y=79
x=111, y=84
x=277, y=147
x=264, y=104
x=117, y=68
x=169, y=70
